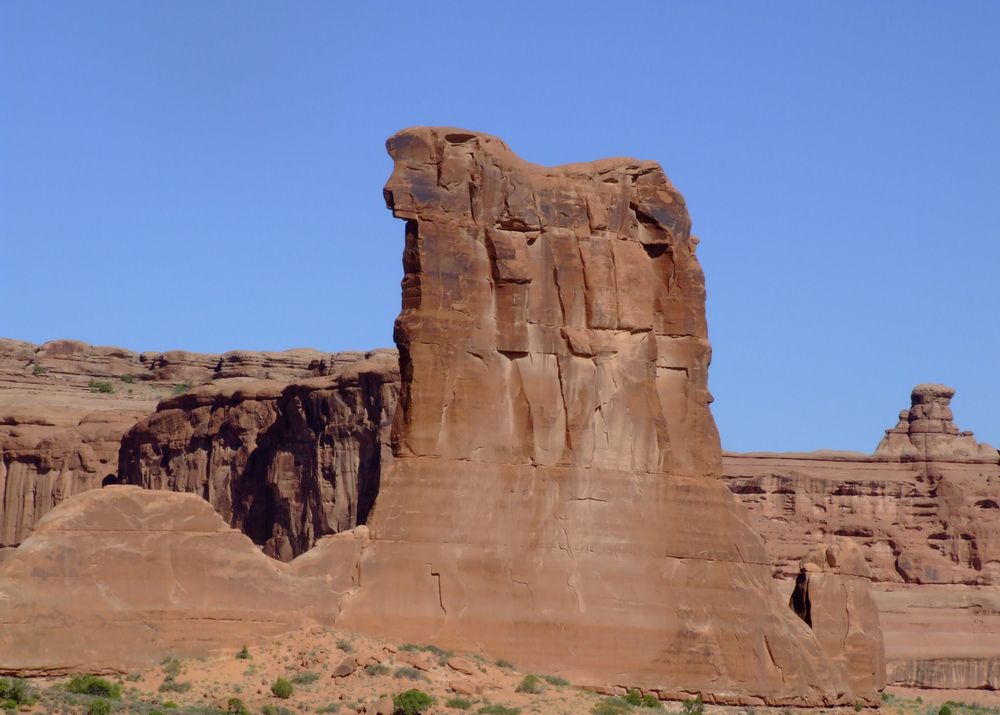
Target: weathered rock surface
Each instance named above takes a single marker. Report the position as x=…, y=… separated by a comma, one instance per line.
x=286, y=463
x=119, y=576
x=551, y=495
x=923, y=510
x=833, y=595
x=65, y=405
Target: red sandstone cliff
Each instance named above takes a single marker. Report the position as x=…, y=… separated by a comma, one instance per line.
x=551, y=495
x=923, y=511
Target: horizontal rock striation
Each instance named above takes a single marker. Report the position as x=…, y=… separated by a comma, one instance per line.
x=551, y=496
x=65, y=405
x=923, y=510
x=286, y=463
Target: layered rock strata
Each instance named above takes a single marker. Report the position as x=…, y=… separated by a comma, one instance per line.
x=551, y=496
x=285, y=463
x=923, y=511
x=65, y=405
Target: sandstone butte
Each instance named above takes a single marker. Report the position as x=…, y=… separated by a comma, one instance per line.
x=550, y=482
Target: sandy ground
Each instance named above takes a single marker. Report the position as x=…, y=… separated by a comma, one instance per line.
x=336, y=672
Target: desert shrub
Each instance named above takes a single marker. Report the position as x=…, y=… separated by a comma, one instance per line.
x=305, y=678
x=102, y=386
x=633, y=697
x=235, y=706
x=459, y=704
x=99, y=706
x=275, y=710
x=496, y=709
x=154, y=711
x=329, y=708
x=376, y=669
x=529, y=684
x=181, y=388
x=171, y=667
x=412, y=702
x=505, y=664
x=243, y=654
x=409, y=673
x=15, y=692
x=555, y=680
x=169, y=685
x=127, y=379
x=651, y=701
x=132, y=677
x=859, y=706
x=612, y=706
x=282, y=689
x=93, y=685
x=693, y=706
x=37, y=369
x=169, y=704
x=345, y=645
x=945, y=709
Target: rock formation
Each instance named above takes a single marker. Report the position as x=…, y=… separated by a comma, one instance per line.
x=923, y=510
x=65, y=405
x=551, y=495
x=121, y=576
x=286, y=463
x=833, y=595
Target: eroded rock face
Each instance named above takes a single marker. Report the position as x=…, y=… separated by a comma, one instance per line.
x=833, y=596
x=65, y=405
x=285, y=463
x=923, y=511
x=120, y=576
x=551, y=496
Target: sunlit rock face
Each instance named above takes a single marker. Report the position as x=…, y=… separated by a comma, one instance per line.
x=923, y=510
x=553, y=495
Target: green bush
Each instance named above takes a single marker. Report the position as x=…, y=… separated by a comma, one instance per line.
x=282, y=689
x=529, y=684
x=499, y=710
x=376, y=669
x=92, y=685
x=305, y=678
x=612, y=706
x=274, y=710
x=99, y=706
x=945, y=710
x=345, y=645
x=330, y=708
x=169, y=704
x=169, y=685
x=37, y=369
x=409, y=673
x=633, y=697
x=243, y=654
x=459, y=704
x=555, y=680
x=14, y=691
x=102, y=386
x=127, y=379
x=693, y=706
x=412, y=702
x=505, y=664
x=181, y=388
x=651, y=701
x=235, y=706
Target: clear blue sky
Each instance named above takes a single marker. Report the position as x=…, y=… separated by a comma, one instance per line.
x=208, y=175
